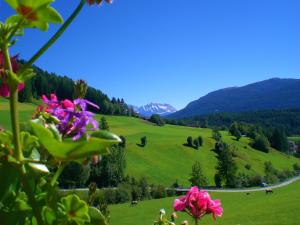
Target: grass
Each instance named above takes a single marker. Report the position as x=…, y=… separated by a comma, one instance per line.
x=165, y=158
x=280, y=208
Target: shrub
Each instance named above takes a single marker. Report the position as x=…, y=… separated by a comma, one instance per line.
x=248, y=166
x=158, y=191
x=144, y=141
x=189, y=141
x=157, y=120
x=200, y=141
x=296, y=168
x=110, y=196
x=122, y=194
x=261, y=143
x=255, y=180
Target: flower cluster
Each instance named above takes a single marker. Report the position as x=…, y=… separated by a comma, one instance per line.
x=4, y=88
x=198, y=203
x=73, y=115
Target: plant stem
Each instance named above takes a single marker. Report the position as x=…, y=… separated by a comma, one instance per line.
x=31, y=198
x=54, y=38
x=16, y=136
x=196, y=221
x=57, y=174
x=13, y=108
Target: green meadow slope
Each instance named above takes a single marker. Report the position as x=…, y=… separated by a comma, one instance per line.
x=165, y=158
x=280, y=208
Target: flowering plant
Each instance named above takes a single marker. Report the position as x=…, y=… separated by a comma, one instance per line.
x=198, y=203
x=55, y=136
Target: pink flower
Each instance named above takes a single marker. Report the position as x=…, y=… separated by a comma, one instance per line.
x=67, y=104
x=198, y=203
x=4, y=88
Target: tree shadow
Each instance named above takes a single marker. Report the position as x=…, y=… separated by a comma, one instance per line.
x=187, y=145
x=140, y=145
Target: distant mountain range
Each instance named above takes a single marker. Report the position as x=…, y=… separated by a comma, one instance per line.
x=154, y=108
x=274, y=93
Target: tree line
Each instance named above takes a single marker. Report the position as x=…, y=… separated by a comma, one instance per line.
x=287, y=120
x=45, y=83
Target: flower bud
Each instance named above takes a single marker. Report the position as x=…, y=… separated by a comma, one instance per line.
x=185, y=222
x=80, y=89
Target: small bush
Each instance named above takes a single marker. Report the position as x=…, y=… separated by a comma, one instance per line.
x=261, y=143
x=248, y=166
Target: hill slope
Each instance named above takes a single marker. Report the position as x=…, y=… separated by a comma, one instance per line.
x=165, y=158
x=269, y=94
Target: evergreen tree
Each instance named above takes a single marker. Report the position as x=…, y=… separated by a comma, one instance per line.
x=189, y=141
x=279, y=140
x=197, y=177
x=226, y=167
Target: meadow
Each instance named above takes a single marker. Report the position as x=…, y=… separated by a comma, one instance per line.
x=280, y=208
x=165, y=159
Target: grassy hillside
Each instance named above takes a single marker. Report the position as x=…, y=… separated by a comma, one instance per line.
x=165, y=158
x=281, y=208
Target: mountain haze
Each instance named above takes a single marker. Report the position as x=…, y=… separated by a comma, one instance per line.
x=274, y=93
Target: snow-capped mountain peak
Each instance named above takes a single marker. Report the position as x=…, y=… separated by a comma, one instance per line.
x=155, y=108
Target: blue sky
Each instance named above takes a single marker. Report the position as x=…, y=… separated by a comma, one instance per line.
x=172, y=51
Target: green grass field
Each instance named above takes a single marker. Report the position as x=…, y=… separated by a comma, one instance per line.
x=165, y=158
x=281, y=208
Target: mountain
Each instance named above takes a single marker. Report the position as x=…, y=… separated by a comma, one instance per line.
x=274, y=93
x=154, y=108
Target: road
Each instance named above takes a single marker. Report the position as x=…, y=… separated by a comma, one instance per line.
x=285, y=183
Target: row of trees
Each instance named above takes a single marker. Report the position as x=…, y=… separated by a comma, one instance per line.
x=287, y=120
x=263, y=138
x=45, y=83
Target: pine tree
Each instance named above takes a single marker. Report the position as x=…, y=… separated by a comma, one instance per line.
x=197, y=176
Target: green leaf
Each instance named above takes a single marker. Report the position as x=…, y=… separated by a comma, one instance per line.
x=36, y=13
x=75, y=209
x=28, y=141
x=69, y=150
x=48, y=215
x=97, y=217
x=51, y=15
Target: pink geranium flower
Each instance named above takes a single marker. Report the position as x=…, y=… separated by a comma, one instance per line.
x=4, y=88
x=198, y=203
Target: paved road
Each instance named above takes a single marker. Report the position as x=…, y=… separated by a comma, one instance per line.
x=285, y=183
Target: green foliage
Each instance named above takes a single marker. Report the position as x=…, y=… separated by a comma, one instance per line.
x=197, y=177
x=75, y=210
x=35, y=13
x=234, y=131
x=74, y=175
x=155, y=118
x=216, y=135
x=110, y=171
x=103, y=125
x=279, y=140
x=270, y=173
x=189, y=141
x=196, y=143
x=200, y=140
x=144, y=141
x=72, y=151
x=226, y=167
x=261, y=143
